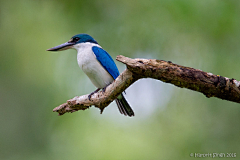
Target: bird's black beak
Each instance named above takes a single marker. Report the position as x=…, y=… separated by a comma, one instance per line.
x=62, y=47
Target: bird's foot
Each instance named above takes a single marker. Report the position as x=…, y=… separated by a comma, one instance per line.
x=90, y=95
x=104, y=89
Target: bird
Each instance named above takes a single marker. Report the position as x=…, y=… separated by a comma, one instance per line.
x=97, y=64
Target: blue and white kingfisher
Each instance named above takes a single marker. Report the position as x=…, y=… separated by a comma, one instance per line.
x=97, y=64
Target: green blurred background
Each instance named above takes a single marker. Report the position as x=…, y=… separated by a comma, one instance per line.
x=169, y=122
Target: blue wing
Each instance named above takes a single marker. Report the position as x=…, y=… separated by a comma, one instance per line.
x=106, y=61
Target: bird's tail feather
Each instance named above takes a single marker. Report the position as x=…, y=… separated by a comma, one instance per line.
x=123, y=106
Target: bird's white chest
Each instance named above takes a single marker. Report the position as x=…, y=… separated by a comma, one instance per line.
x=86, y=59
x=92, y=68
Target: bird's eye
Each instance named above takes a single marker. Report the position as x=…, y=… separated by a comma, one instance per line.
x=75, y=39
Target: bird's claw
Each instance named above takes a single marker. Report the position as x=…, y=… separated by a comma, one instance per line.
x=90, y=95
x=104, y=89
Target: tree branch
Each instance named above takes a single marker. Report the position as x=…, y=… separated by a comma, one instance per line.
x=185, y=77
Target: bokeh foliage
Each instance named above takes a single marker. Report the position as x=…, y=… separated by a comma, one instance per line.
x=170, y=123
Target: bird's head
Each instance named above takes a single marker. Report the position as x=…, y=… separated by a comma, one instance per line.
x=74, y=41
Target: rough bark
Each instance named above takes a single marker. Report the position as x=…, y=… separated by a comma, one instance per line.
x=185, y=77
